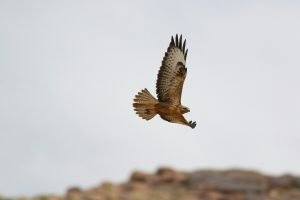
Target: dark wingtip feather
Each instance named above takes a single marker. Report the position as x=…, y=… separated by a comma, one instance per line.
x=180, y=42
x=185, y=54
x=172, y=41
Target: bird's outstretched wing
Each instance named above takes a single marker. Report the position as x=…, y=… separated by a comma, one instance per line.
x=178, y=119
x=172, y=72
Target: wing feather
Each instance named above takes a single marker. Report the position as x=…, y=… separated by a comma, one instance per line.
x=172, y=72
x=179, y=119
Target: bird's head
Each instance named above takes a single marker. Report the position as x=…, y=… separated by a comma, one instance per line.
x=184, y=109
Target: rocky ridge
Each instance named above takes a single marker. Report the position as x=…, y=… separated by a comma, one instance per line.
x=169, y=184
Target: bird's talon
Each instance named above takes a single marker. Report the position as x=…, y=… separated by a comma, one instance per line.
x=192, y=124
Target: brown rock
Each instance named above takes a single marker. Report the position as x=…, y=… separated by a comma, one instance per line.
x=134, y=186
x=169, y=184
x=168, y=175
x=228, y=181
x=285, y=181
x=286, y=194
x=105, y=191
x=74, y=193
x=138, y=176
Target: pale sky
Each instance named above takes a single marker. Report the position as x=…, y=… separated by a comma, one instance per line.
x=70, y=69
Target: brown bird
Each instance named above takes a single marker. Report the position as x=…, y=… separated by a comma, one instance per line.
x=169, y=85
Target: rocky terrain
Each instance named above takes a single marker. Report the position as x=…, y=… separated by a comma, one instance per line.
x=169, y=184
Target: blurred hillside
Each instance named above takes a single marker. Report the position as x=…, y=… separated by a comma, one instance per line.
x=169, y=184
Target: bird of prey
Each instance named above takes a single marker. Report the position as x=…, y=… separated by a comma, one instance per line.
x=169, y=85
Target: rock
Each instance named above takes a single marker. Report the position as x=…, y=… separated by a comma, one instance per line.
x=168, y=175
x=134, y=186
x=74, y=193
x=169, y=184
x=297, y=182
x=285, y=181
x=228, y=181
x=284, y=194
x=139, y=176
x=105, y=191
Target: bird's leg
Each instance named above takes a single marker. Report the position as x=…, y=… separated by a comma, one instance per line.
x=192, y=124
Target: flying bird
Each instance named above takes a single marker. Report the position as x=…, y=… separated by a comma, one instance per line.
x=169, y=86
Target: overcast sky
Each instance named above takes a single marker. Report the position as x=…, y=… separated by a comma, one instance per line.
x=70, y=69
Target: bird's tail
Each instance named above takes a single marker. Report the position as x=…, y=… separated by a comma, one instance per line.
x=144, y=104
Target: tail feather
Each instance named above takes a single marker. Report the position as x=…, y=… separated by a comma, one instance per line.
x=144, y=104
